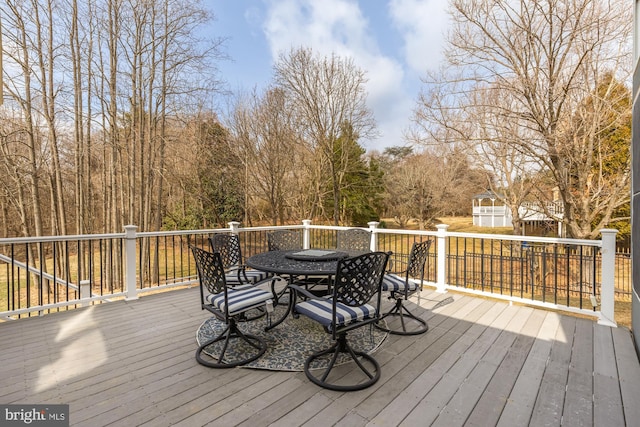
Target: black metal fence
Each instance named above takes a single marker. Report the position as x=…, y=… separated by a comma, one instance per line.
x=55, y=274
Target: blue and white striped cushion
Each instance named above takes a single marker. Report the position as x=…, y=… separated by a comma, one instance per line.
x=240, y=299
x=395, y=283
x=321, y=311
x=254, y=276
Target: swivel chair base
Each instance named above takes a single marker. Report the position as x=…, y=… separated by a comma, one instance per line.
x=401, y=312
x=341, y=346
x=230, y=334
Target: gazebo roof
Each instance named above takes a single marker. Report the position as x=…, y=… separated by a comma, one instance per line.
x=487, y=195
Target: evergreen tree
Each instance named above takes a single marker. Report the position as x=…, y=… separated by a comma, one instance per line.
x=359, y=183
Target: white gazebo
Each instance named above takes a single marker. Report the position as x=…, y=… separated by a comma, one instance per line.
x=490, y=211
x=486, y=213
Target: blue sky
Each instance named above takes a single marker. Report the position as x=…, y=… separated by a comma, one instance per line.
x=393, y=41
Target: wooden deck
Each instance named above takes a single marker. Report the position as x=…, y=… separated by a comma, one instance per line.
x=482, y=363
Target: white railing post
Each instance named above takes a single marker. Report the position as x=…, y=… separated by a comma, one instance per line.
x=85, y=292
x=442, y=258
x=608, y=272
x=373, y=226
x=130, y=259
x=234, y=226
x=306, y=234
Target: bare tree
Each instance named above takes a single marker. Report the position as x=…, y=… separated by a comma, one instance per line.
x=536, y=63
x=511, y=173
x=429, y=184
x=325, y=93
x=14, y=166
x=20, y=19
x=264, y=131
x=97, y=82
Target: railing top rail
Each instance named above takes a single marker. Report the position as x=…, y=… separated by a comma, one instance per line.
x=216, y=230
x=41, y=239
x=334, y=227
x=530, y=239
x=271, y=227
x=181, y=232
x=408, y=232
x=85, y=237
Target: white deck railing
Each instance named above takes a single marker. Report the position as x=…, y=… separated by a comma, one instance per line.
x=40, y=275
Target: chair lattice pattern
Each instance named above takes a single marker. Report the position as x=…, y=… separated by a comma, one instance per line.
x=211, y=271
x=418, y=258
x=284, y=240
x=354, y=239
x=228, y=246
x=358, y=279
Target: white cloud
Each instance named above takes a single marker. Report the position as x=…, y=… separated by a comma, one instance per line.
x=339, y=26
x=422, y=24
x=327, y=26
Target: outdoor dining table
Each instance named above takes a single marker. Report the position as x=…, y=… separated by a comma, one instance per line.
x=291, y=264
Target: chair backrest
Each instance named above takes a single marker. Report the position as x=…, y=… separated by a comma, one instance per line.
x=417, y=259
x=354, y=239
x=211, y=273
x=359, y=278
x=228, y=246
x=284, y=240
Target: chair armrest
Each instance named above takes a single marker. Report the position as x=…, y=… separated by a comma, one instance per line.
x=397, y=267
x=300, y=290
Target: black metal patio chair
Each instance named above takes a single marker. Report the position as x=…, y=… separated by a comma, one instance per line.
x=354, y=239
x=289, y=240
x=228, y=305
x=284, y=240
x=228, y=246
x=354, y=303
x=401, y=287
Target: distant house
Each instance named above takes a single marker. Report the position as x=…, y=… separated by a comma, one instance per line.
x=489, y=211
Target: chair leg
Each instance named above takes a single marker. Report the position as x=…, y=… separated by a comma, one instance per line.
x=230, y=333
x=276, y=296
x=401, y=312
x=342, y=346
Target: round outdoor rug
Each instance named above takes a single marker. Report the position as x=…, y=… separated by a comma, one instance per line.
x=290, y=343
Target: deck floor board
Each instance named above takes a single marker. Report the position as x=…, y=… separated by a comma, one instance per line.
x=482, y=362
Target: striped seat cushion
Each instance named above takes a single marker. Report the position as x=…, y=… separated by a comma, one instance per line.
x=254, y=276
x=321, y=311
x=395, y=283
x=240, y=299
